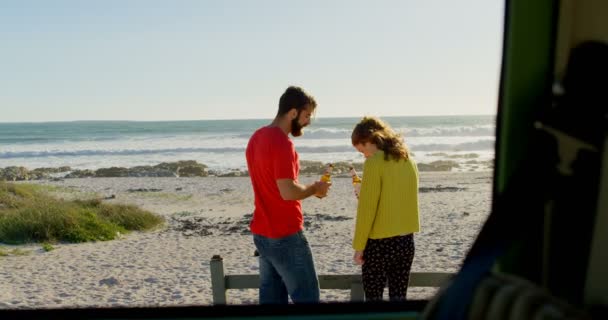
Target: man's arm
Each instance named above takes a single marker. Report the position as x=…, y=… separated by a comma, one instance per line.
x=291, y=190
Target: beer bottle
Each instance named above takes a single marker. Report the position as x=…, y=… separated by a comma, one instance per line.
x=326, y=177
x=356, y=181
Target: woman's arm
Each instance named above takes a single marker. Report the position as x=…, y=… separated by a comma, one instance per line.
x=368, y=201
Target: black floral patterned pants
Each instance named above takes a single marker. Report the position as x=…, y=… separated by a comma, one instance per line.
x=387, y=259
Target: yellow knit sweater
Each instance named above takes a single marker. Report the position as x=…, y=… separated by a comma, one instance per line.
x=388, y=202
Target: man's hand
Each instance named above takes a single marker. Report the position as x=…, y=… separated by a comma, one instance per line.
x=358, y=257
x=321, y=189
x=292, y=190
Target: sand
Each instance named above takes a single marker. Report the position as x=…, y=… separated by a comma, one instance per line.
x=209, y=216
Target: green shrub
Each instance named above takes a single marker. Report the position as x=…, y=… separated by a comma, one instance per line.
x=30, y=214
x=47, y=247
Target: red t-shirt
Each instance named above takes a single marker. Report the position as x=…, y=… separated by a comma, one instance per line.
x=271, y=155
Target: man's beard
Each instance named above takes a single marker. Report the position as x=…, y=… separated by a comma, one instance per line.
x=296, y=128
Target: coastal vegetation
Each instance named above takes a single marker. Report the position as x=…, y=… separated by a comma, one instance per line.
x=29, y=213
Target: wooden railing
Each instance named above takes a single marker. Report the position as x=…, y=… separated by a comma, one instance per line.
x=221, y=282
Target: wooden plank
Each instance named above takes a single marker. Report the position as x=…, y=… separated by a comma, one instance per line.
x=429, y=279
x=218, y=281
x=243, y=281
x=342, y=281
x=339, y=281
x=252, y=281
x=356, y=292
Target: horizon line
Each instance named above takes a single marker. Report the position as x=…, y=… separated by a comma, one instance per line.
x=232, y=119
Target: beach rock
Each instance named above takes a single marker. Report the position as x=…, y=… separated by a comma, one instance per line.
x=80, y=174
x=439, y=188
x=14, y=174
x=463, y=156
x=173, y=166
x=311, y=167
x=144, y=190
x=440, y=165
x=437, y=154
x=149, y=171
x=139, y=171
x=151, y=280
x=112, y=172
x=233, y=173
x=187, y=168
x=197, y=170
x=184, y=168
x=110, y=282
x=38, y=175
x=46, y=173
x=329, y=217
x=341, y=168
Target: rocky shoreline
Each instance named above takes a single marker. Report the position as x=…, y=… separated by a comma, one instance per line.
x=192, y=168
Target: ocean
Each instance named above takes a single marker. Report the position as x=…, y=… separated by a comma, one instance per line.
x=220, y=144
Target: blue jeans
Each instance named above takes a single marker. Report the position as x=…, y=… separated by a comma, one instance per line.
x=286, y=268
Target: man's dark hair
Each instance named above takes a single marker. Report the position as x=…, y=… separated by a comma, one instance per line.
x=295, y=97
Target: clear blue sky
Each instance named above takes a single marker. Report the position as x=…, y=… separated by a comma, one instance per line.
x=188, y=60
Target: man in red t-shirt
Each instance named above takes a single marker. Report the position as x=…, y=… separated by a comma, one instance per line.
x=286, y=264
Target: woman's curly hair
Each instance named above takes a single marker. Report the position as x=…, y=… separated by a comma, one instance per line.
x=376, y=131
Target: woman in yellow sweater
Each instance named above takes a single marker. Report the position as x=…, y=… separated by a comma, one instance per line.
x=387, y=213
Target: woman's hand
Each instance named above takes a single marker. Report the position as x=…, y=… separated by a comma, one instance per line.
x=358, y=257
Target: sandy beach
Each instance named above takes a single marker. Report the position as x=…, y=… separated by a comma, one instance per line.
x=209, y=216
